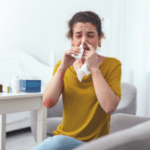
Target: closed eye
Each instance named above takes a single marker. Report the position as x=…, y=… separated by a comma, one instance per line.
x=90, y=35
x=78, y=36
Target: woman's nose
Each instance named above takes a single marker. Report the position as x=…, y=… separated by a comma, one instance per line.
x=83, y=41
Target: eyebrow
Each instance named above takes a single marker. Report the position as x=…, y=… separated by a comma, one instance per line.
x=87, y=32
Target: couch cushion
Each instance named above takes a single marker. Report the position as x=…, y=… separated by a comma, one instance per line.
x=136, y=138
x=121, y=121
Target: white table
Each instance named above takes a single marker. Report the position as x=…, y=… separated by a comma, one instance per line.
x=19, y=102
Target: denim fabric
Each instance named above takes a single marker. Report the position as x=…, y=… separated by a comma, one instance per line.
x=59, y=142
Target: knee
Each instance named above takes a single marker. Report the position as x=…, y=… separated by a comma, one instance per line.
x=64, y=139
x=55, y=139
x=59, y=138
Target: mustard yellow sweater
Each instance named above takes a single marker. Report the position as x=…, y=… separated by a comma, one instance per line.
x=83, y=117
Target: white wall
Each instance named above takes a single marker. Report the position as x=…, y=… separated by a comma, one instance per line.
x=37, y=26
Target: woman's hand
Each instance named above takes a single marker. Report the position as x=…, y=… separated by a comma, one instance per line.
x=67, y=59
x=91, y=58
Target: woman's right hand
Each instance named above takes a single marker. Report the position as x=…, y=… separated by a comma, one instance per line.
x=67, y=59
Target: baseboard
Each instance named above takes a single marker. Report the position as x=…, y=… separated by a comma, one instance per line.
x=18, y=125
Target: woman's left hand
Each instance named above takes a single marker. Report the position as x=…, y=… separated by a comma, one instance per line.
x=91, y=58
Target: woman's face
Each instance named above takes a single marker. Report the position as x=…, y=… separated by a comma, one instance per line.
x=85, y=32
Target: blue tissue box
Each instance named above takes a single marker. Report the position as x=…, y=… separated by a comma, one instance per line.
x=30, y=86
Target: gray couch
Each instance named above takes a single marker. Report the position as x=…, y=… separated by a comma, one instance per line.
x=127, y=132
x=126, y=106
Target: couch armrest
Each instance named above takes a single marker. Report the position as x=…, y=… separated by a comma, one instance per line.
x=123, y=121
x=127, y=104
x=136, y=138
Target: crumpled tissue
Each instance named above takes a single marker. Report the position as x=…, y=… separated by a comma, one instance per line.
x=83, y=70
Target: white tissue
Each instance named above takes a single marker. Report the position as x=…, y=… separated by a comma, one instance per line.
x=83, y=70
x=80, y=54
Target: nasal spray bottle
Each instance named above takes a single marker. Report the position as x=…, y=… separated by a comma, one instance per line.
x=80, y=54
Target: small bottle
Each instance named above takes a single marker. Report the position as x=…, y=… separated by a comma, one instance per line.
x=15, y=90
x=8, y=87
x=1, y=87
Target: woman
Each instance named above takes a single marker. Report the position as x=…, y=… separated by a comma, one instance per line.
x=87, y=105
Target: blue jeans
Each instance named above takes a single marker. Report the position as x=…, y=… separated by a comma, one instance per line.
x=59, y=142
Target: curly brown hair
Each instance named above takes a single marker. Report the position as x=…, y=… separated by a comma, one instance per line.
x=85, y=16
